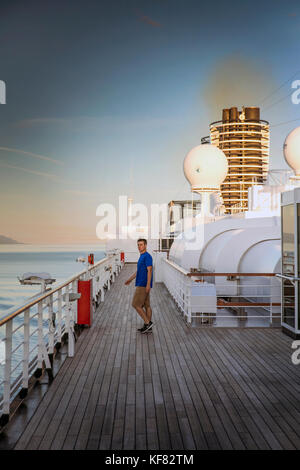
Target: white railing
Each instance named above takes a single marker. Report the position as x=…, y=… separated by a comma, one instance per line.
x=36, y=329
x=179, y=285
x=207, y=296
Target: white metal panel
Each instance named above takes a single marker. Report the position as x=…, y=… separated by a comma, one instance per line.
x=210, y=254
x=261, y=257
x=186, y=254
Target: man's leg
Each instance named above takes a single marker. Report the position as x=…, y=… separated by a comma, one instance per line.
x=142, y=314
x=148, y=308
x=149, y=313
x=148, y=325
x=138, y=301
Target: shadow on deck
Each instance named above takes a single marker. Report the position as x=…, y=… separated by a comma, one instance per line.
x=176, y=388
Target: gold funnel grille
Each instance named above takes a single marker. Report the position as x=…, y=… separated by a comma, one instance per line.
x=245, y=140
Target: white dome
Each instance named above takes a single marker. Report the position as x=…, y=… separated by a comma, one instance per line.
x=205, y=167
x=291, y=150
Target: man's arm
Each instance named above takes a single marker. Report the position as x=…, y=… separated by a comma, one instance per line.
x=149, y=275
x=130, y=279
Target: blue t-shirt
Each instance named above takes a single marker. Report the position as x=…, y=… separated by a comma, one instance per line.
x=144, y=261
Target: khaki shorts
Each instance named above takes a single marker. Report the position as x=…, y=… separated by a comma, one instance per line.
x=140, y=298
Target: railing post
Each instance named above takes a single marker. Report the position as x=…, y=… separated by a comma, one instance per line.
x=59, y=319
x=99, y=285
x=74, y=313
x=98, y=281
x=101, y=294
x=25, y=378
x=42, y=350
x=188, y=293
x=113, y=267
x=271, y=311
x=38, y=372
x=51, y=320
x=74, y=304
x=67, y=319
x=7, y=374
x=96, y=285
x=69, y=323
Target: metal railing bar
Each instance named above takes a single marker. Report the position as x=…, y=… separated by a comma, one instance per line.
x=20, y=362
x=210, y=274
x=262, y=317
x=33, y=332
x=17, y=382
x=34, y=347
x=18, y=365
x=17, y=347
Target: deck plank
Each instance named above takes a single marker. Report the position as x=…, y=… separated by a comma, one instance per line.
x=179, y=387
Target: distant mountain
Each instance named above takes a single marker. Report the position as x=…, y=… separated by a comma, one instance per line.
x=7, y=241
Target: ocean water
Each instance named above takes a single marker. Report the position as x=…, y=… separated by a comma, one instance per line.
x=59, y=261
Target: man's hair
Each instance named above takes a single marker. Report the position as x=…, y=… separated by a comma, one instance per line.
x=142, y=240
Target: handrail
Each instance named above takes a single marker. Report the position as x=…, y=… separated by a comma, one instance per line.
x=289, y=278
x=231, y=274
x=60, y=313
x=212, y=274
x=49, y=292
x=177, y=267
x=223, y=303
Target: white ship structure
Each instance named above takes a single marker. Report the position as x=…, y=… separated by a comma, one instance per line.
x=229, y=266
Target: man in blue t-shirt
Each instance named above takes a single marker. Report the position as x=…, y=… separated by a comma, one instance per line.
x=143, y=282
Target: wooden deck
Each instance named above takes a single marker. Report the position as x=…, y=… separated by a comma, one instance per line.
x=178, y=388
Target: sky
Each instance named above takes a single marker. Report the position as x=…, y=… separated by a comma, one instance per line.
x=105, y=98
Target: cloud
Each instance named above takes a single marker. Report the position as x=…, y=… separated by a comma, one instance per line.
x=151, y=22
x=30, y=154
x=147, y=19
x=33, y=172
